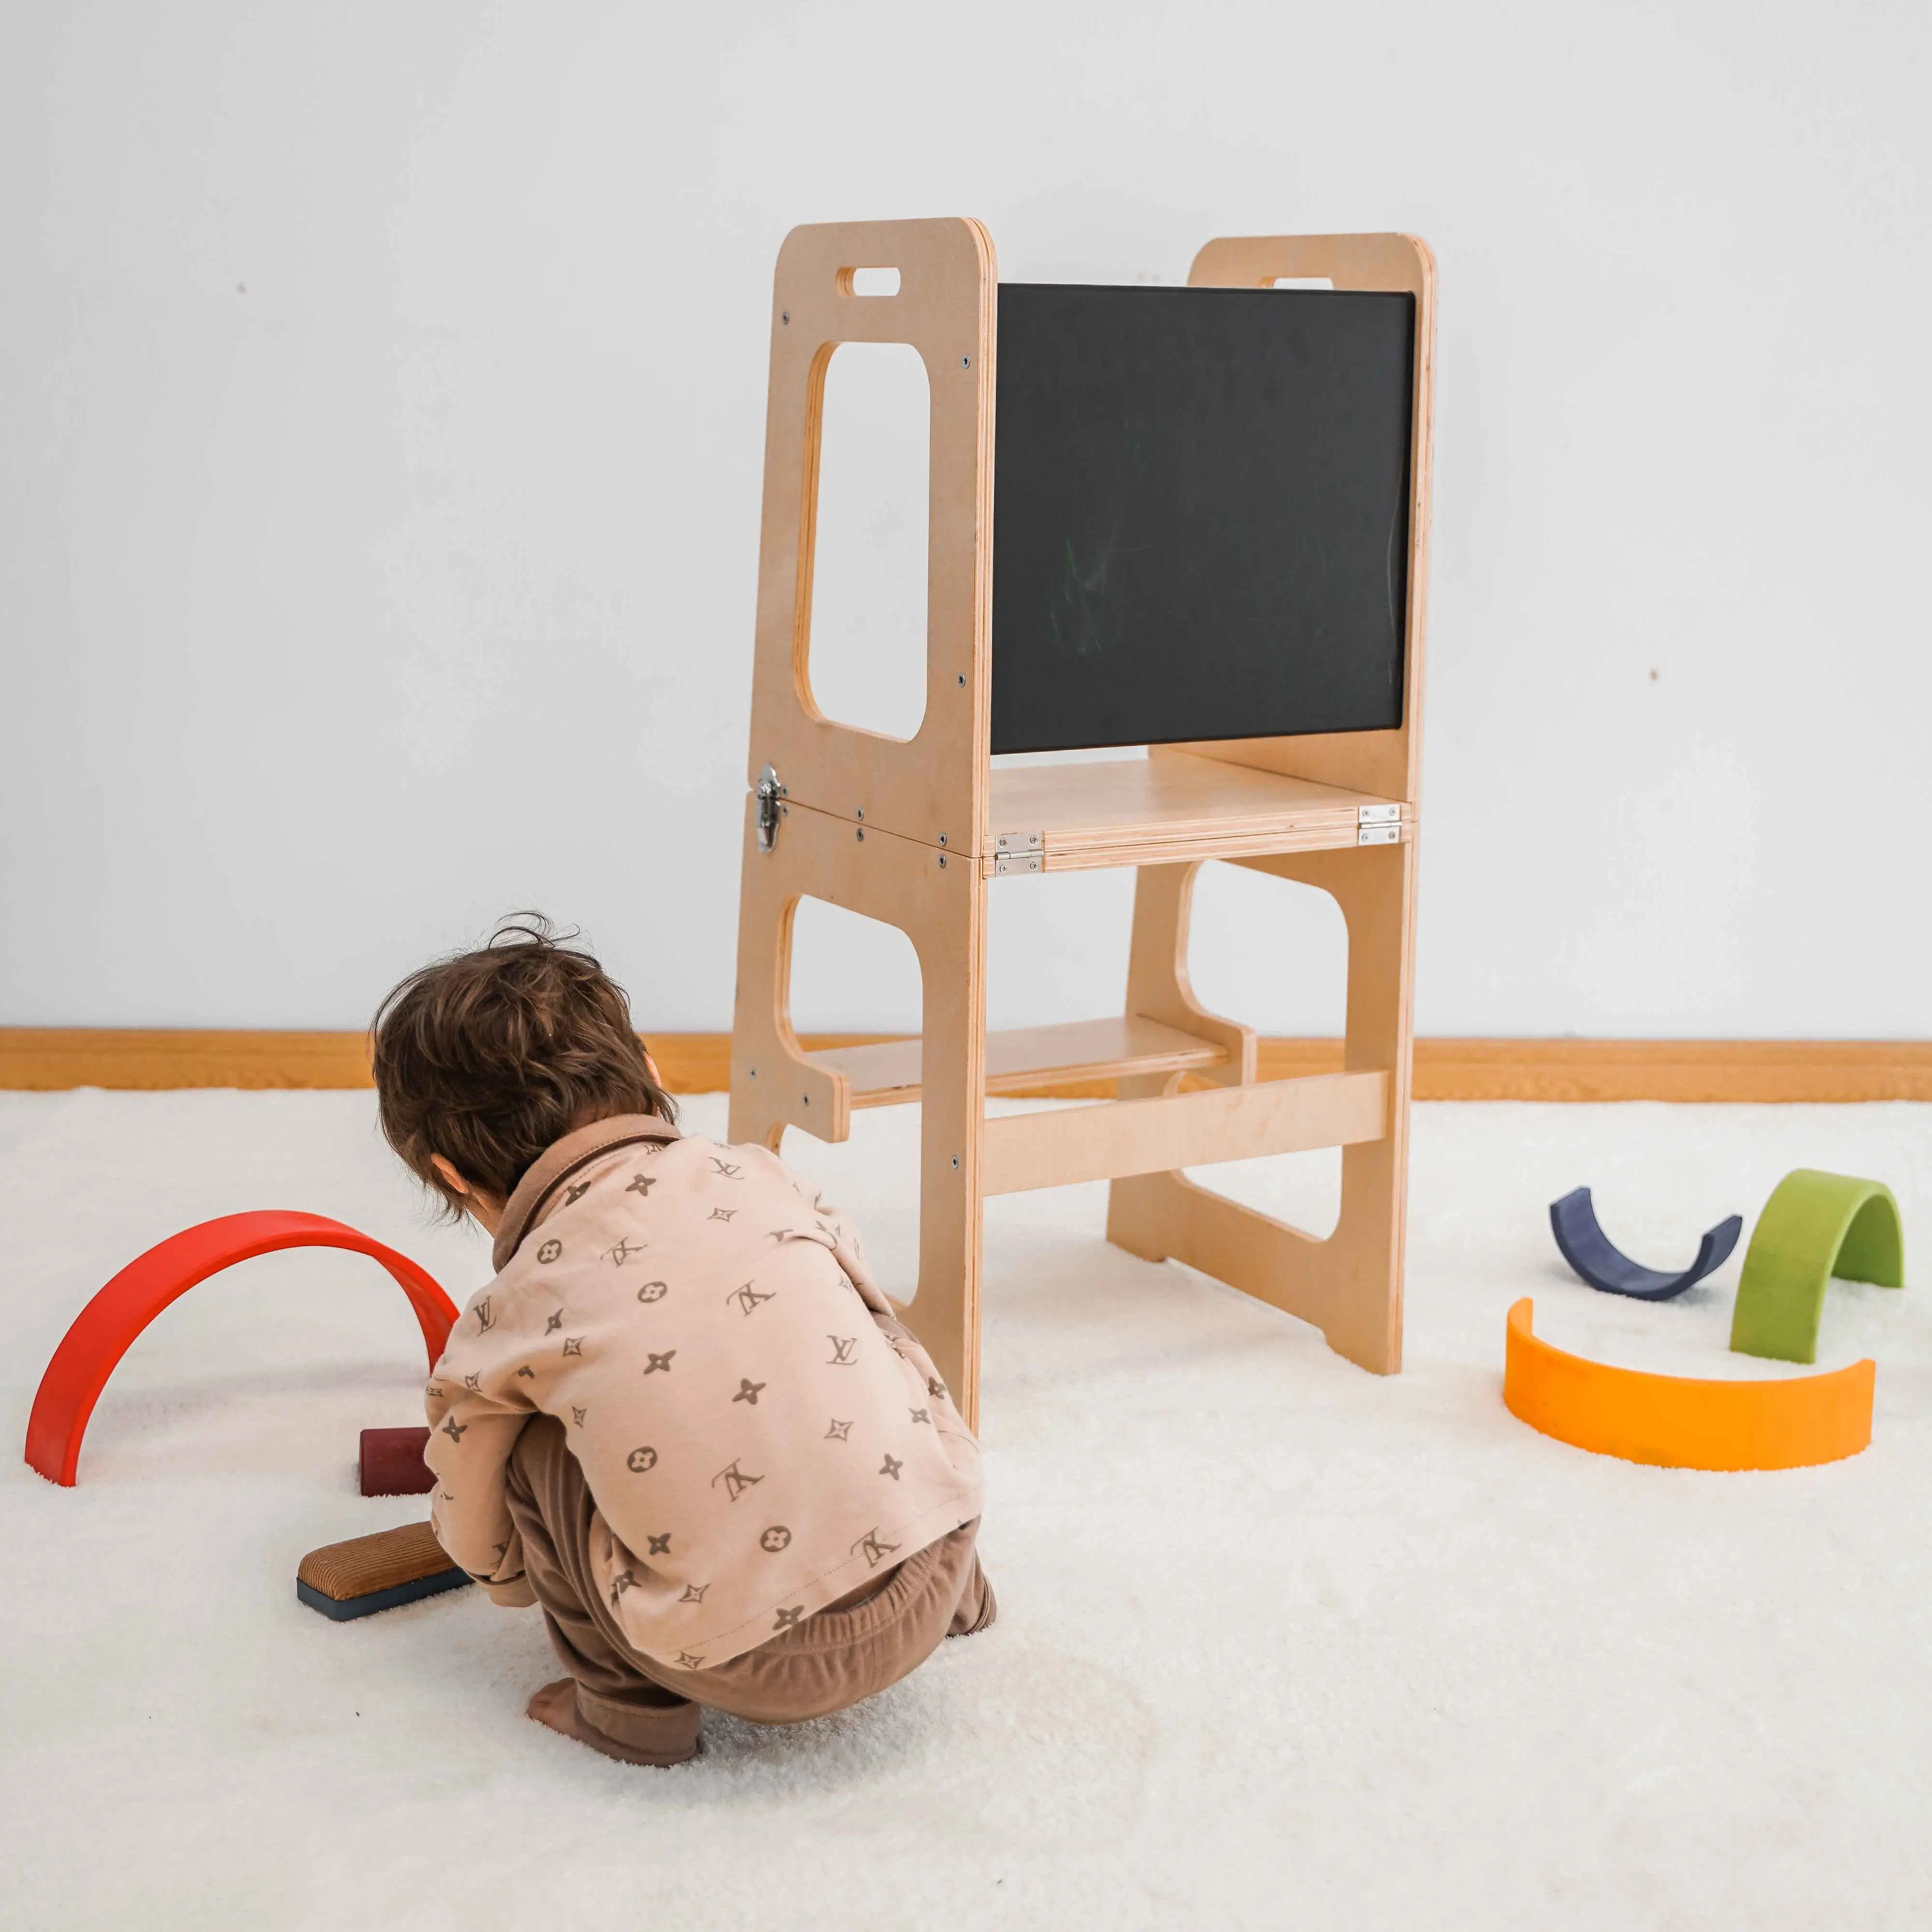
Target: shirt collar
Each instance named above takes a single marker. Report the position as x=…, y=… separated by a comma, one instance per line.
x=556, y=1165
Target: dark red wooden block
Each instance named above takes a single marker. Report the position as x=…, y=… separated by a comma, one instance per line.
x=392, y=1462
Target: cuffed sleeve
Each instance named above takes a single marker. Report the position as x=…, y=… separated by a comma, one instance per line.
x=516, y=1594
x=471, y=1435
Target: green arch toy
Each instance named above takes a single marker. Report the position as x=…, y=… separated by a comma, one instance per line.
x=1814, y=1226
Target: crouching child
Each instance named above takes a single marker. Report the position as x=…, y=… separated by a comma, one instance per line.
x=682, y=1419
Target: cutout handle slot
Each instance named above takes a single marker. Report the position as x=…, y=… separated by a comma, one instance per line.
x=869, y=281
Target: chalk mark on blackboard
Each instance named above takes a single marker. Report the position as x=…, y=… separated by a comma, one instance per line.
x=1079, y=618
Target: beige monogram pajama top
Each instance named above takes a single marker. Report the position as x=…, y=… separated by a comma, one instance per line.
x=702, y=1325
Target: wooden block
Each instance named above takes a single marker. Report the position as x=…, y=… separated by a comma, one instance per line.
x=368, y=1574
x=392, y=1462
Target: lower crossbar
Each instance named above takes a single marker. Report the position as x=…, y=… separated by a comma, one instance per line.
x=1056, y=1146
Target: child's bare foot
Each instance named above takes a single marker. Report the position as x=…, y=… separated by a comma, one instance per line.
x=661, y=1735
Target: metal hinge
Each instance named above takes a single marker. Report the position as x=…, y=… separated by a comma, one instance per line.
x=769, y=791
x=1017, y=852
x=1378, y=825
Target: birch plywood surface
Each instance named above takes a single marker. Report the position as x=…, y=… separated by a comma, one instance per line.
x=1159, y=1134
x=931, y=785
x=1172, y=805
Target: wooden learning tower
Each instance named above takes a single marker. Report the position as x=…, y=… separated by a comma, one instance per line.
x=913, y=832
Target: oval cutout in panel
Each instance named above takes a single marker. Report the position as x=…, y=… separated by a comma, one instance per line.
x=1274, y=951
x=866, y=663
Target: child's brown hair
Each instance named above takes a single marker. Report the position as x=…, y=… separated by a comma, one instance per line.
x=488, y=1058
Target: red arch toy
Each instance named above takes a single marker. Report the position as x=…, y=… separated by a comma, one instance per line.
x=106, y=1328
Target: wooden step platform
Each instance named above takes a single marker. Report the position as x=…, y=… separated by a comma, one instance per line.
x=887, y=1074
x=1172, y=807
x=1117, y=1137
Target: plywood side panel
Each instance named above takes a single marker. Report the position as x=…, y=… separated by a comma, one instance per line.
x=937, y=899
x=933, y=783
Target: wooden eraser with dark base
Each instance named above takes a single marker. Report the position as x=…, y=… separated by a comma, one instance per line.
x=392, y=1465
x=368, y=1574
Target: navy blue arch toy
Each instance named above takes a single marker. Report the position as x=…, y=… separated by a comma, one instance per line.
x=1572, y=1220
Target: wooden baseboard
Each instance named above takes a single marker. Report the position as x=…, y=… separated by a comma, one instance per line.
x=44, y=1059
x=48, y=1058
x=1714, y=1070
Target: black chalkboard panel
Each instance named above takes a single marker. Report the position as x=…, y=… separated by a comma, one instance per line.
x=1201, y=514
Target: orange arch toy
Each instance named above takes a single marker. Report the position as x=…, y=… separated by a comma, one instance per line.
x=105, y=1329
x=1680, y=1422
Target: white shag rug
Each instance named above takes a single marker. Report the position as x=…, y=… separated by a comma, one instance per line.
x=1281, y=1643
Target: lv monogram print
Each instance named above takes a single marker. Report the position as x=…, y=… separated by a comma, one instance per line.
x=734, y=1479
x=874, y=1551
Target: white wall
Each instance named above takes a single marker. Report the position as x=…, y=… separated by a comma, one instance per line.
x=379, y=437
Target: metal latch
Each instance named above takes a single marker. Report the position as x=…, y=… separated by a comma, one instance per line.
x=1378, y=825
x=769, y=792
x=1017, y=852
